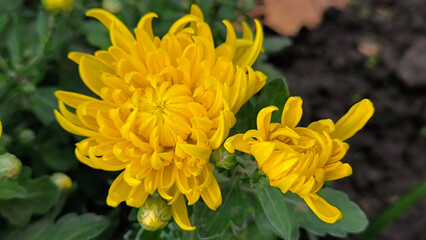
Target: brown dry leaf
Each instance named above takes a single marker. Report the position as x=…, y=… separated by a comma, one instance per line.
x=287, y=17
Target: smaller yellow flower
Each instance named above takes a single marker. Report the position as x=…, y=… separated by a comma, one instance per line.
x=55, y=6
x=300, y=159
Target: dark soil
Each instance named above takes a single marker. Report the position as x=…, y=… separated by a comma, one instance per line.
x=326, y=69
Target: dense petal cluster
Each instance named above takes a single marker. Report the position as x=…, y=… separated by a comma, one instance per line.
x=300, y=159
x=163, y=105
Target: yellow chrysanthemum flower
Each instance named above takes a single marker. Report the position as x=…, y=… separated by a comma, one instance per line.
x=164, y=105
x=300, y=159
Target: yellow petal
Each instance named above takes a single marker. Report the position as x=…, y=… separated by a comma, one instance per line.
x=285, y=183
x=180, y=214
x=199, y=152
x=130, y=180
x=324, y=125
x=263, y=121
x=72, y=99
x=341, y=171
x=324, y=211
x=108, y=19
x=250, y=55
x=118, y=191
x=227, y=49
x=182, y=181
x=182, y=22
x=237, y=142
x=85, y=159
x=353, y=120
x=196, y=11
x=145, y=23
x=72, y=128
x=77, y=56
x=262, y=151
x=67, y=114
x=292, y=112
x=137, y=196
x=211, y=195
x=227, y=119
x=91, y=70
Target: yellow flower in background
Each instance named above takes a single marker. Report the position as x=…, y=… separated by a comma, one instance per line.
x=300, y=159
x=55, y=6
x=164, y=104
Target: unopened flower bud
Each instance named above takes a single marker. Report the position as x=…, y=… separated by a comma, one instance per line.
x=223, y=158
x=10, y=166
x=154, y=214
x=55, y=6
x=26, y=136
x=28, y=88
x=61, y=180
x=113, y=6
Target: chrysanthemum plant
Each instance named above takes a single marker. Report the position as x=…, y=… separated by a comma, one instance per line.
x=162, y=114
x=189, y=133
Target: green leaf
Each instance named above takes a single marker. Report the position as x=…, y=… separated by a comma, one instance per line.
x=274, y=93
x=262, y=221
x=275, y=43
x=33, y=231
x=253, y=232
x=43, y=102
x=211, y=223
x=96, y=34
x=3, y=21
x=58, y=157
x=246, y=118
x=74, y=227
x=11, y=189
x=68, y=227
x=10, y=5
x=41, y=24
x=353, y=221
x=13, y=43
x=275, y=209
x=42, y=195
x=268, y=69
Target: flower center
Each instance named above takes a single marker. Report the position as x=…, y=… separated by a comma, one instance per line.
x=164, y=113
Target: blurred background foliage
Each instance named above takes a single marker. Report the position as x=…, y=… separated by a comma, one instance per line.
x=34, y=44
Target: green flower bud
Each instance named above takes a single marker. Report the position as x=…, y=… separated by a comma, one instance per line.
x=113, y=6
x=10, y=166
x=223, y=158
x=55, y=6
x=26, y=136
x=5, y=140
x=154, y=214
x=61, y=180
x=28, y=88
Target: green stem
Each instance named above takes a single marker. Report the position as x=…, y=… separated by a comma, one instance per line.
x=392, y=212
x=3, y=64
x=37, y=57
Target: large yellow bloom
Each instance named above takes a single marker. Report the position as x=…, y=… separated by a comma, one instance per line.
x=300, y=159
x=164, y=105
